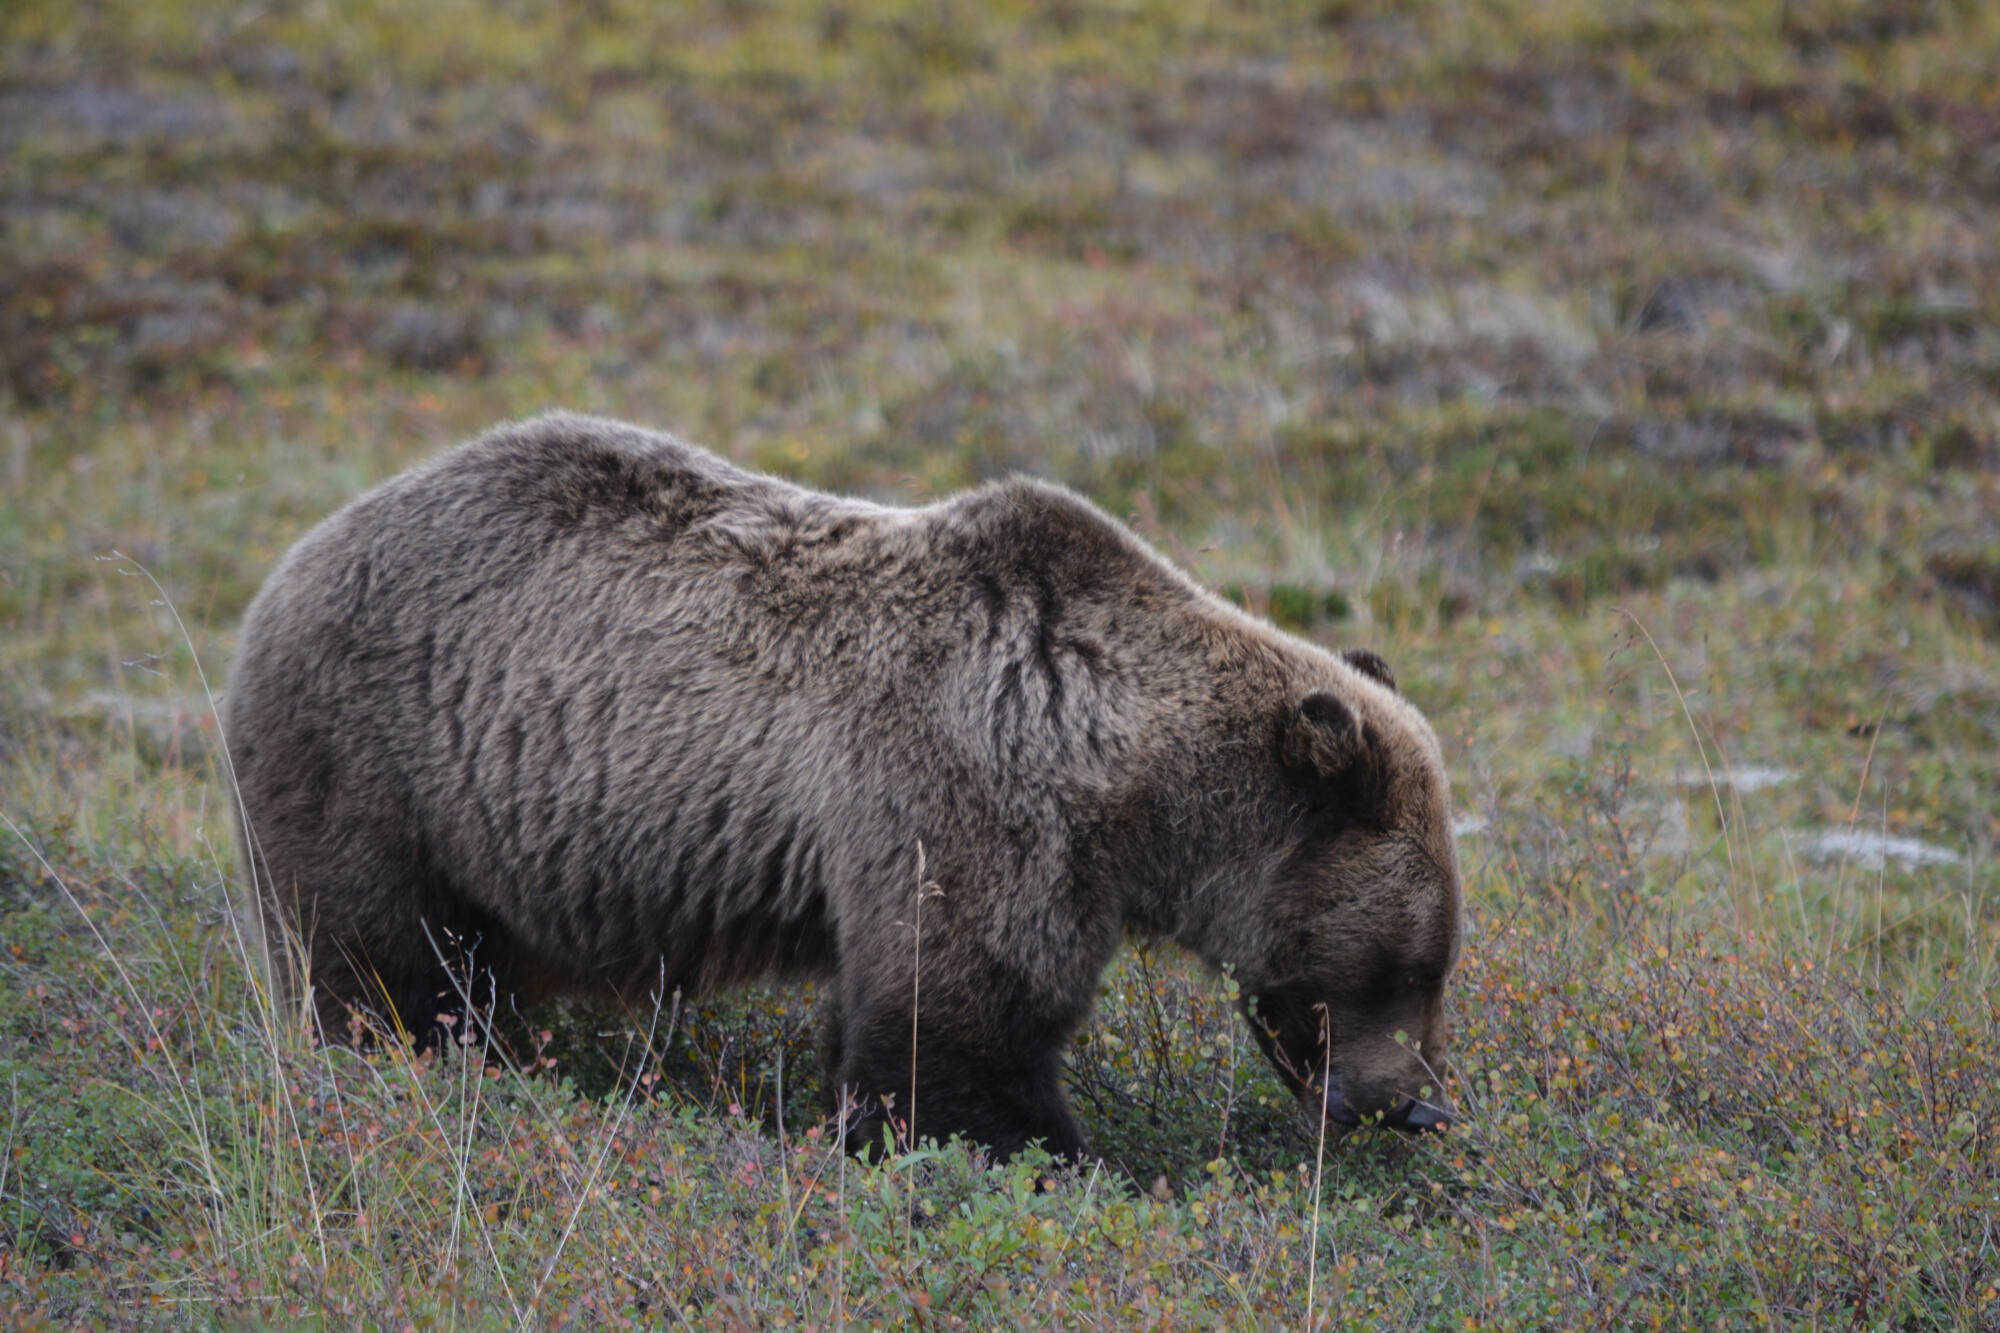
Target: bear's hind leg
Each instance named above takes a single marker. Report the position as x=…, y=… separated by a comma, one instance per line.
x=380, y=947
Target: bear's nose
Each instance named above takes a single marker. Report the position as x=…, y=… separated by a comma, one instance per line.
x=1417, y=1116
x=1336, y=1107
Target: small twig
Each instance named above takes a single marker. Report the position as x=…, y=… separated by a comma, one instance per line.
x=924, y=890
x=1319, y=1166
x=13, y=1122
x=1229, y=1095
x=844, y=1109
x=916, y=991
x=1069, y=1235
x=1854, y=810
x=785, y=1168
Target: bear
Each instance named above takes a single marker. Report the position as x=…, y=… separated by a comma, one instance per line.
x=591, y=710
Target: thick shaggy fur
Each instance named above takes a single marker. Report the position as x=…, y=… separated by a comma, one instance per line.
x=596, y=710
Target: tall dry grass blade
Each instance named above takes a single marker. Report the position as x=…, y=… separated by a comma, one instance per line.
x=1701, y=749
x=590, y=1181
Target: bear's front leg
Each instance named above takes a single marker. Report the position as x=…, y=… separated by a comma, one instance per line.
x=993, y=1083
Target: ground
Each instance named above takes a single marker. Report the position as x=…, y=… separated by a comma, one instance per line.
x=1628, y=375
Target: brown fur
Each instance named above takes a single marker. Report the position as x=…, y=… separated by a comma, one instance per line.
x=598, y=711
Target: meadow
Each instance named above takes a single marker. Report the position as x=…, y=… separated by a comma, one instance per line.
x=1627, y=374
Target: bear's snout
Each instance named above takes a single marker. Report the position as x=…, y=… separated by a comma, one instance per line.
x=1359, y=1082
x=1418, y=1116
x=1400, y=1100
x=1410, y=1114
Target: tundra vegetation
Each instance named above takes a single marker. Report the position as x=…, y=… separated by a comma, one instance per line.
x=1627, y=374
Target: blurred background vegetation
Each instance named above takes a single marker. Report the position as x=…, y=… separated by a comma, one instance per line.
x=1628, y=374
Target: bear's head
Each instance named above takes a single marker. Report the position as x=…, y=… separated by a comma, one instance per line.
x=1363, y=916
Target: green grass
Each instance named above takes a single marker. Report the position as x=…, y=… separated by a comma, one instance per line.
x=1629, y=376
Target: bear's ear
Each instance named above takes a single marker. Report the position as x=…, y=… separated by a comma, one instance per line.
x=1323, y=737
x=1336, y=759
x=1371, y=665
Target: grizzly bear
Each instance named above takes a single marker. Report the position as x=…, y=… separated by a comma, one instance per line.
x=591, y=710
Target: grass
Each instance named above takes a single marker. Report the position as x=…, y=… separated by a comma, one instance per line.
x=1627, y=375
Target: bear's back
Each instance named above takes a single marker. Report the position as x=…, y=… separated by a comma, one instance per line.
x=556, y=479
x=559, y=521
